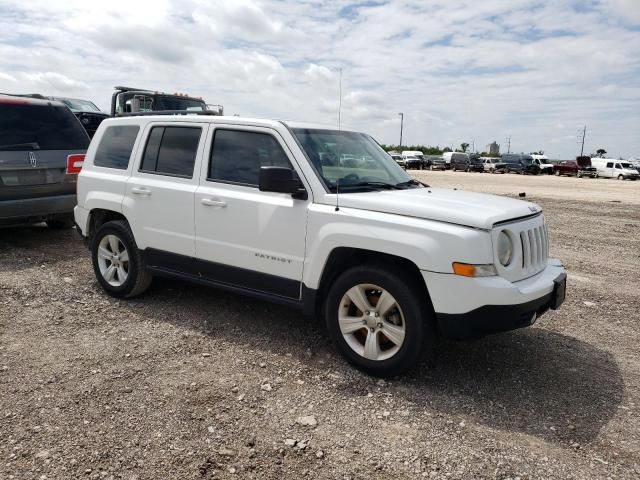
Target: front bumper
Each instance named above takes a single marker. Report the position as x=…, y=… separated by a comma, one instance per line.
x=474, y=307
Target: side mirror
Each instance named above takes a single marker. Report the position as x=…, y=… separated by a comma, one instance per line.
x=281, y=180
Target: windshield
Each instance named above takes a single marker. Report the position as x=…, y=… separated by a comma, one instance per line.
x=626, y=165
x=350, y=159
x=178, y=103
x=82, y=105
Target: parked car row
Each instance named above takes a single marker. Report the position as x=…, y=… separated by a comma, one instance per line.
x=521, y=164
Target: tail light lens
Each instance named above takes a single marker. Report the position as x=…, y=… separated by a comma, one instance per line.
x=74, y=163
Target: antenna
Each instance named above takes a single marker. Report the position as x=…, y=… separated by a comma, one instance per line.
x=340, y=103
x=337, y=193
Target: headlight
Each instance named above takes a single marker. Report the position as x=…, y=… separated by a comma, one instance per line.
x=505, y=249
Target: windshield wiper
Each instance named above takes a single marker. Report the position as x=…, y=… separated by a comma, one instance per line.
x=413, y=181
x=33, y=145
x=375, y=184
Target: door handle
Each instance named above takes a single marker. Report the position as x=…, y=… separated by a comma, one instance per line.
x=140, y=191
x=210, y=202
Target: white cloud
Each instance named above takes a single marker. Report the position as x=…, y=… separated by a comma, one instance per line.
x=54, y=81
x=460, y=70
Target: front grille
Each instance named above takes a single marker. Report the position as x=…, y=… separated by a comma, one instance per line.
x=535, y=249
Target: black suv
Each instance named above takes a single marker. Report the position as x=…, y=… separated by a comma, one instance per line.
x=475, y=163
x=460, y=162
x=520, y=163
x=42, y=147
x=88, y=113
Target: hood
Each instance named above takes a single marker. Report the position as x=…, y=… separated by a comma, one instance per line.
x=476, y=210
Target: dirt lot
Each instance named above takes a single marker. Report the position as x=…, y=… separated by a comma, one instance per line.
x=191, y=383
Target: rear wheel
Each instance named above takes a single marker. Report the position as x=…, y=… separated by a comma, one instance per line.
x=557, y=173
x=60, y=222
x=117, y=262
x=379, y=320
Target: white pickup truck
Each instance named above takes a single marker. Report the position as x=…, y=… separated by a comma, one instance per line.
x=319, y=219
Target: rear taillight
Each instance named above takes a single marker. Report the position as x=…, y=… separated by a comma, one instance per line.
x=74, y=163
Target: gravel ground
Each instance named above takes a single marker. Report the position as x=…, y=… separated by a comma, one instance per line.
x=192, y=383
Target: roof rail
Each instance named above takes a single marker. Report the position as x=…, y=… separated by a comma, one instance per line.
x=169, y=112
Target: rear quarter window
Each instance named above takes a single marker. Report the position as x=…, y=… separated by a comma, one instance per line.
x=116, y=145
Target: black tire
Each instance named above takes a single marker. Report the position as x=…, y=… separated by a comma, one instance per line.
x=60, y=222
x=419, y=322
x=620, y=177
x=138, y=279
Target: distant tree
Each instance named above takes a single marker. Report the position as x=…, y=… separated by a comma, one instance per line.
x=464, y=146
x=446, y=149
x=601, y=152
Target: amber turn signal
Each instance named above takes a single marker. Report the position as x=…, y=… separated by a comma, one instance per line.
x=464, y=269
x=468, y=270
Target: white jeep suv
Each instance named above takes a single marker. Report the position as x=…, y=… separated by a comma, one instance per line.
x=319, y=219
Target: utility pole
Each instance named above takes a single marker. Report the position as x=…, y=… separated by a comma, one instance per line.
x=473, y=146
x=509, y=144
x=584, y=134
x=401, y=125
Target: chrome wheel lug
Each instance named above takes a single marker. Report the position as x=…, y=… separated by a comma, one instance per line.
x=379, y=325
x=372, y=329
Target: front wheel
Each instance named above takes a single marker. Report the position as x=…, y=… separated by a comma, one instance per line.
x=117, y=262
x=379, y=320
x=620, y=177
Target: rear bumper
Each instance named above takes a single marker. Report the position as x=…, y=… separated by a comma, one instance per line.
x=474, y=307
x=23, y=209
x=81, y=216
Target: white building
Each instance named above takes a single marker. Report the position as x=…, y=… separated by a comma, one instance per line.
x=493, y=149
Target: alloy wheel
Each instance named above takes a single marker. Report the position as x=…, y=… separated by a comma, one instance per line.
x=113, y=260
x=371, y=322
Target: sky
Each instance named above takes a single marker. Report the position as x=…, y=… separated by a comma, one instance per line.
x=459, y=70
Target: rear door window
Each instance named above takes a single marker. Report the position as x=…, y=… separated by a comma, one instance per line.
x=116, y=145
x=609, y=164
x=24, y=126
x=171, y=151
